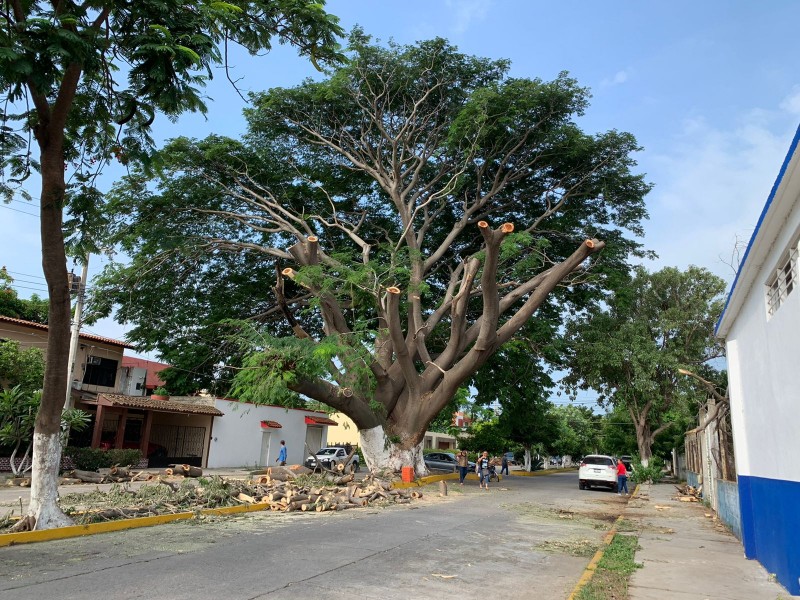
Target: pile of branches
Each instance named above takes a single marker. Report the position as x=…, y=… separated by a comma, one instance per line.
x=279, y=490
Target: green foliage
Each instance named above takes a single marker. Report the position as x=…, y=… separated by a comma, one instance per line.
x=630, y=347
x=135, y=60
x=17, y=416
x=577, y=430
x=21, y=367
x=92, y=459
x=443, y=423
x=467, y=142
x=11, y=305
x=652, y=473
x=161, y=391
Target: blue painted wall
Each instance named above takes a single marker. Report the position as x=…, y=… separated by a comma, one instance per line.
x=728, y=506
x=770, y=514
x=692, y=478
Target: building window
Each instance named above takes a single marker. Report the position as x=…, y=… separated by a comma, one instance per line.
x=100, y=371
x=783, y=280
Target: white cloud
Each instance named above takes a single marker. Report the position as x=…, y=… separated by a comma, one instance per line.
x=711, y=186
x=791, y=103
x=619, y=78
x=465, y=12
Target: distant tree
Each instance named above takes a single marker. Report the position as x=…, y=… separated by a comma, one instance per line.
x=420, y=205
x=20, y=367
x=11, y=305
x=85, y=80
x=577, y=430
x=631, y=347
x=517, y=378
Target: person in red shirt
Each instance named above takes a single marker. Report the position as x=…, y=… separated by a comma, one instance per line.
x=622, y=478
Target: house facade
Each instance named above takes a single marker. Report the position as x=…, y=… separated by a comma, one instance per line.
x=250, y=434
x=98, y=363
x=761, y=329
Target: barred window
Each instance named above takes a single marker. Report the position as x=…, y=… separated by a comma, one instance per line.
x=783, y=280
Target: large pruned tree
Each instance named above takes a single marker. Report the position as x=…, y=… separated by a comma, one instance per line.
x=419, y=204
x=632, y=347
x=85, y=80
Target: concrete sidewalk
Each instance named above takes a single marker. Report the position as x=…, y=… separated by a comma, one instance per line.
x=688, y=555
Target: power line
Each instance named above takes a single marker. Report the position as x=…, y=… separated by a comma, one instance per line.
x=25, y=274
x=24, y=212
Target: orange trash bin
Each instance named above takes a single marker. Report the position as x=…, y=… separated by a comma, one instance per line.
x=407, y=474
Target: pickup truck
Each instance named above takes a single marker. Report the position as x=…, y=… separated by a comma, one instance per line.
x=330, y=458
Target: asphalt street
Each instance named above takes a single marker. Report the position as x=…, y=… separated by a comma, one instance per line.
x=524, y=538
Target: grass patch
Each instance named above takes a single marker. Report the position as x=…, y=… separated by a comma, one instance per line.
x=610, y=580
x=572, y=547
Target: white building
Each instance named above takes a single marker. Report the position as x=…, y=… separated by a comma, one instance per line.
x=251, y=434
x=761, y=329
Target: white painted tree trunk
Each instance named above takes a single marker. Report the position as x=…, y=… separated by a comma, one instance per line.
x=44, y=482
x=381, y=454
x=527, y=461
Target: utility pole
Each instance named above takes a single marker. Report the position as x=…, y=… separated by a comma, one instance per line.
x=76, y=331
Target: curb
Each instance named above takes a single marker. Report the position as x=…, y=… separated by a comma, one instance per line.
x=588, y=573
x=71, y=531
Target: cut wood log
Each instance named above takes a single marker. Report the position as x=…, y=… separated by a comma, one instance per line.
x=281, y=473
x=87, y=476
x=120, y=472
x=190, y=471
x=245, y=498
x=443, y=488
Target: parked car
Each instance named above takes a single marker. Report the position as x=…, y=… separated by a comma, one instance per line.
x=444, y=461
x=329, y=458
x=510, y=459
x=627, y=461
x=597, y=469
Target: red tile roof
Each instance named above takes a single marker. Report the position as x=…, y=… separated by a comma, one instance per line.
x=159, y=405
x=83, y=336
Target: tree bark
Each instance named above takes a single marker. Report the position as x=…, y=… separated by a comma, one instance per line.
x=47, y=443
x=380, y=453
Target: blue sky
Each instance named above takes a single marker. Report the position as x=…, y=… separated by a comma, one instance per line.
x=710, y=89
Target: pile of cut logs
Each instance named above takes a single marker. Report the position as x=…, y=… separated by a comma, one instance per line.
x=122, y=474
x=688, y=493
x=283, y=490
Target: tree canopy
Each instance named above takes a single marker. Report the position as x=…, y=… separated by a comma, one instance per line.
x=419, y=205
x=630, y=348
x=84, y=81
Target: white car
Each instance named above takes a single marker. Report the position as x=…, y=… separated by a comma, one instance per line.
x=597, y=469
x=330, y=458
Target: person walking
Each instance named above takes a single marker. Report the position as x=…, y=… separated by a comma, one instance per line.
x=282, y=454
x=504, y=464
x=463, y=465
x=622, y=478
x=484, y=462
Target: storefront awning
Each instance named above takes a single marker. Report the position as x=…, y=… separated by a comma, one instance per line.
x=320, y=421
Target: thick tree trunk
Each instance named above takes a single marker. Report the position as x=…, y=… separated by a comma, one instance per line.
x=527, y=460
x=44, y=482
x=47, y=443
x=382, y=454
x=645, y=444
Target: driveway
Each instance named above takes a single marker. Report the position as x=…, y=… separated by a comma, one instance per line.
x=525, y=537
